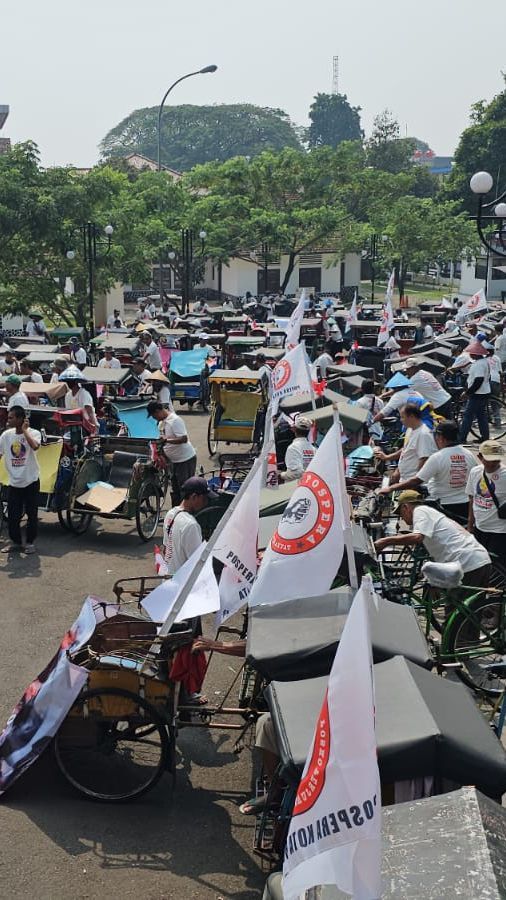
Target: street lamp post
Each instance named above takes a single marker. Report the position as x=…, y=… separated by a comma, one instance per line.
x=265, y=255
x=490, y=217
x=188, y=263
x=91, y=235
x=204, y=71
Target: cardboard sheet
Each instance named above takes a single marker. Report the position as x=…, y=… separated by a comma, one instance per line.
x=103, y=499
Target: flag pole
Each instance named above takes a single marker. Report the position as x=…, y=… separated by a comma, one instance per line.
x=208, y=549
x=348, y=533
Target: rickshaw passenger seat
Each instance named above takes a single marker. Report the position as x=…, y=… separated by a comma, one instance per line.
x=121, y=468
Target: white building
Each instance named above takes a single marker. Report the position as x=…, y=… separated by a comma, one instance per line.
x=484, y=272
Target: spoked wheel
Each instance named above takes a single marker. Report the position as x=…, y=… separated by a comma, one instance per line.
x=76, y=522
x=112, y=747
x=212, y=443
x=496, y=408
x=147, y=512
x=479, y=645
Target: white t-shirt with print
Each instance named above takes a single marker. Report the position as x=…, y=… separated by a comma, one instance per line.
x=113, y=363
x=400, y=398
x=446, y=473
x=20, y=460
x=484, y=508
x=429, y=387
x=18, y=399
x=297, y=458
x=172, y=427
x=181, y=537
x=418, y=444
x=446, y=541
x=495, y=369
x=479, y=369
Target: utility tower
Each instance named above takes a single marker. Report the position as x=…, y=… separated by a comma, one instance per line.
x=335, y=74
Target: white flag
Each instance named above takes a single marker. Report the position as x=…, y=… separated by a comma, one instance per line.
x=306, y=549
x=234, y=595
x=389, y=293
x=203, y=598
x=290, y=376
x=351, y=315
x=475, y=304
x=272, y=479
x=335, y=832
x=294, y=323
x=387, y=323
x=446, y=303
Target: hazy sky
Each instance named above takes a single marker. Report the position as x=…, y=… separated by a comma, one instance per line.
x=71, y=71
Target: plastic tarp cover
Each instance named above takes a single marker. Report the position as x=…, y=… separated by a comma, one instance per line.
x=298, y=639
x=425, y=725
x=188, y=363
x=139, y=424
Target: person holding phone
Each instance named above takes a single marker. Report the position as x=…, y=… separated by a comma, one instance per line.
x=18, y=448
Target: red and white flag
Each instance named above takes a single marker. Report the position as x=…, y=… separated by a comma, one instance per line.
x=387, y=323
x=475, y=304
x=335, y=833
x=160, y=564
x=389, y=293
x=351, y=315
x=295, y=321
x=290, y=376
x=307, y=547
x=272, y=479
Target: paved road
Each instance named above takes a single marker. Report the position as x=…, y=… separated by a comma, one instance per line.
x=56, y=845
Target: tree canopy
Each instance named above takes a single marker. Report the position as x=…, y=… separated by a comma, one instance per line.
x=193, y=135
x=386, y=149
x=333, y=120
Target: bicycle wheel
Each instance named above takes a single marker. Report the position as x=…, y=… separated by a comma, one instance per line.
x=147, y=512
x=77, y=522
x=212, y=443
x=496, y=408
x=107, y=757
x=478, y=645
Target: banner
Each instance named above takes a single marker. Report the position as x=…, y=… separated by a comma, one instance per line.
x=351, y=315
x=234, y=595
x=272, y=478
x=290, y=376
x=387, y=323
x=475, y=304
x=306, y=549
x=203, y=598
x=295, y=321
x=335, y=833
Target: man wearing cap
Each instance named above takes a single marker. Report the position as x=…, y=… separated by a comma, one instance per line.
x=444, y=540
x=109, y=360
x=418, y=445
x=35, y=327
x=175, y=445
x=18, y=446
x=140, y=372
x=77, y=353
x=402, y=392
x=203, y=339
x=445, y=472
x=300, y=452
x=429, y=387
x=181, y=531
x=151, y=355
x=478, y=391
x=14, y=395
x=78, y=397
x=486, y=488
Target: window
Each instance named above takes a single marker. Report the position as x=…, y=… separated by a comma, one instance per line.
x=480, y=268
x=311, y=278
x=498, y=264
x=273, y=281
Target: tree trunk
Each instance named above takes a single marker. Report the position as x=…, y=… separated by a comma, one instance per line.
x=288, y=274
x=400, y=277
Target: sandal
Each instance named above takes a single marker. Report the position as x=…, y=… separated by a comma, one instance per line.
x=253, y=807
x=196, y=700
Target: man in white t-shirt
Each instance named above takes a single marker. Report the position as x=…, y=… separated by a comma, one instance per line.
x=175, y=445
x=428, y=332
x=444, y=540
x=9, y=364
x=15, y=397
x=300, y=453
x=486, y=488
x=500, y=344
x=418, y=445
x=115, y=320
x=151, y=355
x=429, y=387
x=109, y=360
x=403, y=391
x=478, y=391
x=445, y=473
x=181, y=531
x=35, y=327
x=78, y=353
x=29, y=373
x=373, y=405
x=496, y=377
x=18, y=446
x=78, y=397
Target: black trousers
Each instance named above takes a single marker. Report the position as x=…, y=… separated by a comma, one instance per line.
x=19, y=501
x=493, y=541
x=180, y=473
x=456, y=511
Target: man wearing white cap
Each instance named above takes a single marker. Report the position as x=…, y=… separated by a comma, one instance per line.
x=486, y=489
x=300, y=452
x=429, y=387
x=203, y=339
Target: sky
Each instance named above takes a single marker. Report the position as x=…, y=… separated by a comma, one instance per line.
x=71, y=71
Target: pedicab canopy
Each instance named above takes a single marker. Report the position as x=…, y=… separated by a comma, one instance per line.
x=243, y=375
x=298, y=639
x=96, y=375
x=352, y=417
x=448, y=846
x=188, y=363
x=425, y=726
x=36, y=389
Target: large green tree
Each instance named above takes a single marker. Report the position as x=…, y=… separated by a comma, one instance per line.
x=191, y=135
x=386, y=149
x=333, y=120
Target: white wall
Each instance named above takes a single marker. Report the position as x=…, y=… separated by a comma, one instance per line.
x=241, y=276
x=469, y=285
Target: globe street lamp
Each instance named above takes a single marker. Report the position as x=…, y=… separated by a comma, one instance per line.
x=91, y=235
x=206, y=70
x=491, y=217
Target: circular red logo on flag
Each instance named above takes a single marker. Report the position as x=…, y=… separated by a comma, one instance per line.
x=307, y=519
x=475, y=299
x=281, y=374
x=312, y=784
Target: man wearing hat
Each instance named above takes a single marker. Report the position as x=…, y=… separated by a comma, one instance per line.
x=35, y=327
x=444, y=540
x=77, y=353
x=175, y=446
x=402, y=392
x=109, y=360
x=160, y=386
x=181, y=531
x=478, y=392
x=300, y=452
x=77, y=397
x=203, y=339
x=486, y=489
x=429, y=387
x=14, y=395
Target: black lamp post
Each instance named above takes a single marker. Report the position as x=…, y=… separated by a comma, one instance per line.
x=204, y=71
x=92, y=238
x=490, y=217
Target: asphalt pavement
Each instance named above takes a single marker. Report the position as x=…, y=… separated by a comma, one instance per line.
x=55, y=845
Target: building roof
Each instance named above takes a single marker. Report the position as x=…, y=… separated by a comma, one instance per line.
x=139, y=161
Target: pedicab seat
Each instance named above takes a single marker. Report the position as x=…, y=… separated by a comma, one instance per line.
x=120, y=474
x=443, y=575
x=298, y=639
x=425, y=726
